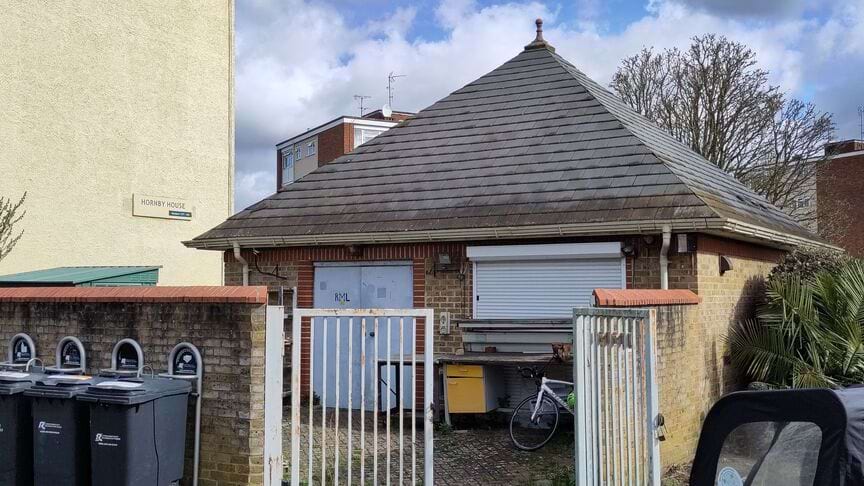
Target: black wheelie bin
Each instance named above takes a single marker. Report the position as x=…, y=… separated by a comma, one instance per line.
x=16, y=435
x=61, y=446
x=137, y=431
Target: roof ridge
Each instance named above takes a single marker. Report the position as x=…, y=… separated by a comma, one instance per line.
x=631, y=119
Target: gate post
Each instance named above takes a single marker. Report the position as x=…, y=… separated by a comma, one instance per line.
x=652, y=396
x=274, y=345
x=579, y=422
x=295, y=396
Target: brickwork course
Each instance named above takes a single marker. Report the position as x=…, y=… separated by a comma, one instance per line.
x=229, y=332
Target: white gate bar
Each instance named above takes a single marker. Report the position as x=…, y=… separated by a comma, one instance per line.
x=363, y=402
x=295, y=398
x=414, y=405
x=324, y=407
x=595, y=397
x=311, y=390
x=377, y=380
x=401, y=404
x=607, y=399
x=389, y=387
x=637, y=379
x=336, y=423
x=350, y=457
x=629, y=394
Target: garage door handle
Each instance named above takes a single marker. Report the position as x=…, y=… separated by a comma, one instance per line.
x=372, y=334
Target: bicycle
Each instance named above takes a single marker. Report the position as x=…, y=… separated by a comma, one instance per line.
x=535, y=419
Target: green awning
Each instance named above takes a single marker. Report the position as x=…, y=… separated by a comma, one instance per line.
x=84, y=277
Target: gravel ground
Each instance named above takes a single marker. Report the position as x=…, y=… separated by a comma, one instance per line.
x=475, y=453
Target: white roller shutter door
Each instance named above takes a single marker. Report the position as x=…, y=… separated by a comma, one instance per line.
x=541, y=288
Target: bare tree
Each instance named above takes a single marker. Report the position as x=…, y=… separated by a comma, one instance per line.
x=713, y=98
x=11, y=213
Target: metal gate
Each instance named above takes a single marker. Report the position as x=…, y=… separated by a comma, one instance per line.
x=351, y=445
x=616, y=397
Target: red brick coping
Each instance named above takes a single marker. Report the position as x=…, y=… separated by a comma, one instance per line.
x=213, y=294
x=643, y=297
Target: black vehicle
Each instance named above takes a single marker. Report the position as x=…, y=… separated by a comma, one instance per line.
x=783, y=437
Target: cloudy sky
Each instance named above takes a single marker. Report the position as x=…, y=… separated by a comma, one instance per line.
x=299, y=63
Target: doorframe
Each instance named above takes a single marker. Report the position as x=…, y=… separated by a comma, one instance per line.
x=366, y=263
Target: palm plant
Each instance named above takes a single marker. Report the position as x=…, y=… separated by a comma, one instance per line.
x=810, y=333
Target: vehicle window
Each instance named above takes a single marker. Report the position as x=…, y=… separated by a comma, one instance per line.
x=770, y=454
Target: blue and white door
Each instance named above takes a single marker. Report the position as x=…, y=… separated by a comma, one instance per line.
x=363, y=286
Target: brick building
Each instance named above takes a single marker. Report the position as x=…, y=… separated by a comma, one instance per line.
x=301, y=154
x=515, y=197
x=839, y=190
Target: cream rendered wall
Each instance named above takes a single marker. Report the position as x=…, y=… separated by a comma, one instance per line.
x=101, y=100
x=308, y=163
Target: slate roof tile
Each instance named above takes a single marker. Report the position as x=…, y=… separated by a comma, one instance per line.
x=533, y=142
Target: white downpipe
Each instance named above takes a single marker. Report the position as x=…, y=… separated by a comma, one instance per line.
x=239, y=257
x=664, y=259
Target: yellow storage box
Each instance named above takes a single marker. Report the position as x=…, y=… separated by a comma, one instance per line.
x=472, y=388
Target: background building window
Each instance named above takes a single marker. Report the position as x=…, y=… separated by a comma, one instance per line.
x=287, y=167
x=802, y=202
x=299, y=153
x=363, y=135
x=310, y=149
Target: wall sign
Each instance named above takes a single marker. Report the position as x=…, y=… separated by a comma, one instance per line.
x=161, y=207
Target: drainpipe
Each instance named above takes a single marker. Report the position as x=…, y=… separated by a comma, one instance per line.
x=664, y=259
x=239, y=258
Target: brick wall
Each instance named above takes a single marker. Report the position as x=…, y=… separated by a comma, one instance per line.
x=680, y=354
x=840, y=211
x=228, y=331
x=726, y=299
x=334, y=142
x=643, y=269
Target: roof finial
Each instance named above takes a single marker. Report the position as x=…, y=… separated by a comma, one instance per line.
x=539, y=42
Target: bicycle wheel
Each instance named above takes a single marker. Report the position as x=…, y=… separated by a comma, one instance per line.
x=528, y=434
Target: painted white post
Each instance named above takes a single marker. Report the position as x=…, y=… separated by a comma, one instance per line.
x=274, y=346
x=295, y=398
x=428, y=381
x=652, y=397
x=579, y=424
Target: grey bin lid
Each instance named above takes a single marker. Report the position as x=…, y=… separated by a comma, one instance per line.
x=134, y=391
x=15, y=382
x=60, y=386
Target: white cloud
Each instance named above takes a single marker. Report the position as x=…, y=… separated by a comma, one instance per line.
x=252, y=186
x=299, y=64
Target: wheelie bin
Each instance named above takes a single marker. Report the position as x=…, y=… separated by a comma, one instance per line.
x=61, y=446
x=16, y=436
x=137, y=431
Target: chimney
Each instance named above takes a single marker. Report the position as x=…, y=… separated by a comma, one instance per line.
x=843, y=147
